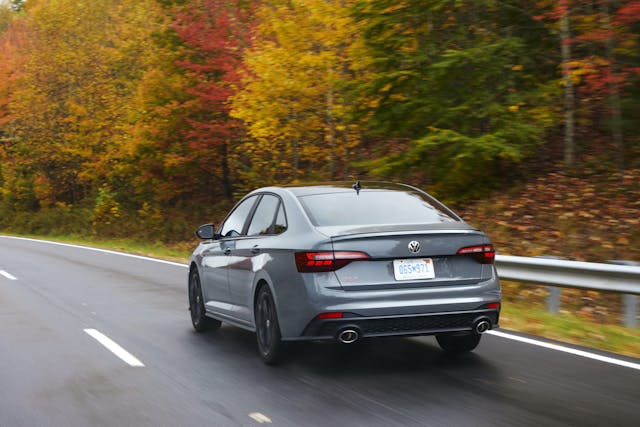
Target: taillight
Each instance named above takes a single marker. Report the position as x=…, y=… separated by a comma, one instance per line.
x=309, y=262
x=485, y=254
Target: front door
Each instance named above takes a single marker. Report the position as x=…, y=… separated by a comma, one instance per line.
x=218, y=255
x=251, y=253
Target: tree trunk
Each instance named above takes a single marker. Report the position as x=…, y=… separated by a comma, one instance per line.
x=331, y=134
x=614, y=98
x=226, y=179
x=569, y=97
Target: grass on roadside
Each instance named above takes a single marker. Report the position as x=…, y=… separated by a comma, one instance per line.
x=567, y=327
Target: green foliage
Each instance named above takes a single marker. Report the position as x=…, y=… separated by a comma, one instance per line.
x=17, y=5
x=458, y=81
x=57, y=219
x=106, y=211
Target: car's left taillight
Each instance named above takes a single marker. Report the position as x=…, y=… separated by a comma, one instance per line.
x=485, y=254
x=313, y=262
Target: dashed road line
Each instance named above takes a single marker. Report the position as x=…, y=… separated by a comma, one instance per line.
x=115, y=348
x=7, y=275
x=261, y=418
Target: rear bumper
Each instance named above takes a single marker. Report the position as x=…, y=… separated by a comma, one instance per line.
x=404, y=325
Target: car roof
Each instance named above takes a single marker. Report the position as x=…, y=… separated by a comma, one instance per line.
x=344, y=186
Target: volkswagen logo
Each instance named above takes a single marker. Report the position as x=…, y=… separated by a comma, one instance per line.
x=414, y=247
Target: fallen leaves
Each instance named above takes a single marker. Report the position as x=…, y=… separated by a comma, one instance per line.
x=591, y=218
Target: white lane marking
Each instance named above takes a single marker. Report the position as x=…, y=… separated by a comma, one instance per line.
x=105, y=251
x=563, y=349
x=261, y=418
x=114, y=348
x=7, y=275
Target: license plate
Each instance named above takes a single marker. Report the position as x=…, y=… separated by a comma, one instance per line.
x=413, y=269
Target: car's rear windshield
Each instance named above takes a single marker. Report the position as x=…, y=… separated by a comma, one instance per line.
x=372, y=207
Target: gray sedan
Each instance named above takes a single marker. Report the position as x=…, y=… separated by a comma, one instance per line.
x=344, y=261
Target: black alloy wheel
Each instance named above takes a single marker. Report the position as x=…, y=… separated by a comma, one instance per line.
x=199, y=320
x=267, y=327
x=458, y=343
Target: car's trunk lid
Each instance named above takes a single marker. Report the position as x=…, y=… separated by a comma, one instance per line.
x=410, y=248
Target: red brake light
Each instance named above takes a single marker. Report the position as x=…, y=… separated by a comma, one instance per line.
x=309, y=262
x=485, y=254
x=493, y=306
x=330, y=315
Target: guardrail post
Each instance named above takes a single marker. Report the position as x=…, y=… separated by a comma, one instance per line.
x=553, y=300
x=630, y=311
x=630, y=302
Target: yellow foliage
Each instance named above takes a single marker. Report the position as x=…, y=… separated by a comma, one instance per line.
x=75, y=97
x=292, y=99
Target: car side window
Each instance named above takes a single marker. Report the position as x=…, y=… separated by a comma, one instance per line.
x=280, y=224
x=262, y=221
x=234, y=224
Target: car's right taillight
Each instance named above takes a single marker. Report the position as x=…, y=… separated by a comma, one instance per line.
x=485, y=254
x=313, y=262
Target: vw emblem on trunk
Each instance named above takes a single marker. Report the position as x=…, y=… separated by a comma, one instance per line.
x=414, y=246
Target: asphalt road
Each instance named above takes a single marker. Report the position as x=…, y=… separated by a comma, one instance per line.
x=53, y=373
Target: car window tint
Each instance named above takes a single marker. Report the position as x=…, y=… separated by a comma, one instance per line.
x=234, y=224
x=280, y=225
x=263, y=217
x=374, y=207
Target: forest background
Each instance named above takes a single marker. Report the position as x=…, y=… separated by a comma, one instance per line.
x=145, y=119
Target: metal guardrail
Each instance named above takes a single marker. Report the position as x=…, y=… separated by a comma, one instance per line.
x=623, y=279
x=570, y=274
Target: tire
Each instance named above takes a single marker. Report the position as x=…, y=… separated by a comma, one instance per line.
x=199, y=320
x=268, y=335
x=458, y=343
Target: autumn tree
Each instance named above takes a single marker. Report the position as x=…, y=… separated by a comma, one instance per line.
x=79, y=114
x=215, y=34
x=12, y=40
x=607, y=44
x=598, y=41
x=68, y=106
x=142, y=173
x=293, y=97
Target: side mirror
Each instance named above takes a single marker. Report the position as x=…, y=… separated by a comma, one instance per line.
x=206, y=232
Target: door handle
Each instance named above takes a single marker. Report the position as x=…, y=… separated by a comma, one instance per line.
x=227, y=251
x=255, y=250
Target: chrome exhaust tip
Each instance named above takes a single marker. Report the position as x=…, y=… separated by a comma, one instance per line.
x=348, y=336
x=482, y=326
